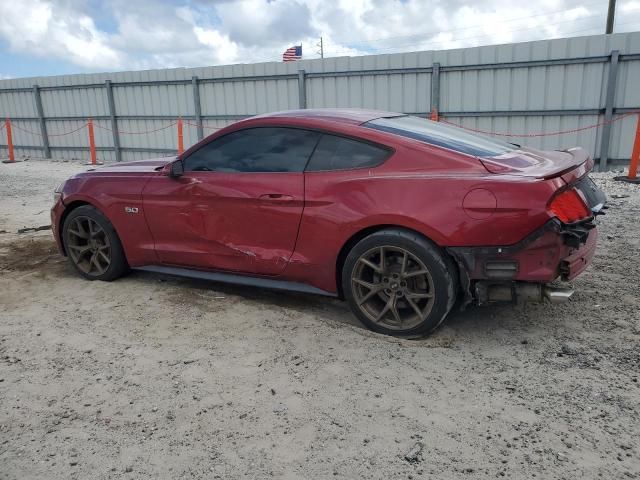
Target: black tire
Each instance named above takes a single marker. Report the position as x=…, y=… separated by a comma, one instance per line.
x=111, y=245
x=440, y=283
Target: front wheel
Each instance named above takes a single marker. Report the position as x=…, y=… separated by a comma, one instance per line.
x=398, y=283
x=92, y=245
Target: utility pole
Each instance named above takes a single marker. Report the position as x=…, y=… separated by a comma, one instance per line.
x=321, y=51
x=610, y=16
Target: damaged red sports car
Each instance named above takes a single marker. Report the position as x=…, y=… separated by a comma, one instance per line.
x=400, y=216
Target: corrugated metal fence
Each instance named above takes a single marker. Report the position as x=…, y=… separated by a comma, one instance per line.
x=540, y=87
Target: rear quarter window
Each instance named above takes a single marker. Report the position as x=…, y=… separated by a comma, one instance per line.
x=339, y=153
x=441, y=135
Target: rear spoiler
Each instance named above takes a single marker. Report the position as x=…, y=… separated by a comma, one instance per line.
x=574, y=174
x=528, y=162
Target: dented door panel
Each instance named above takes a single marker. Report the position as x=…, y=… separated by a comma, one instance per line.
x=245, y=222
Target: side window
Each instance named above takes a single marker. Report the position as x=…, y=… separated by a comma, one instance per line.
x=338, y=153
x=263, y=149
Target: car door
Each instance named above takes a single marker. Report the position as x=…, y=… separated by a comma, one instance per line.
x=237, y=206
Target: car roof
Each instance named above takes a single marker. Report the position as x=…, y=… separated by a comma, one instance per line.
x=354, y=116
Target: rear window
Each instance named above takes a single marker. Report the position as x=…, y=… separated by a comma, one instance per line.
x=339, y=153
x=441, y=135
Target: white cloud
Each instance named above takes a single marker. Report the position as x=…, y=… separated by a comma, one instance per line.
x=227, y=51
x=630, y=7
x=256, y=22
x=35, y=27
x=152, y=34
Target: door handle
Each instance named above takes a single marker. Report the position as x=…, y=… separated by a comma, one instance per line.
x=278, y=197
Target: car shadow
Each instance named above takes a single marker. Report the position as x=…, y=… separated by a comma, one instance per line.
x=303, y=303
x=473, y=322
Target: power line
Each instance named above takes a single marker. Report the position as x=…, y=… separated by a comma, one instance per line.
x=593, y=30
x=468, y=37
x=373, y=40
x=479, y=35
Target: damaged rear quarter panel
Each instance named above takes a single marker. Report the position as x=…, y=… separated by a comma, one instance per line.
x=338, y=205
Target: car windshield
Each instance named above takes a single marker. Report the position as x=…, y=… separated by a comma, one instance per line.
x=442, y=135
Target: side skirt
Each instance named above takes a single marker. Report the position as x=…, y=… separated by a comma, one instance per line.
x=237, y=279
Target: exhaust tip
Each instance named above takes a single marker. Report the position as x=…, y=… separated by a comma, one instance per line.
x=557, y=294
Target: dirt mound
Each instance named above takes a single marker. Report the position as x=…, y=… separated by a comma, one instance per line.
x=28, y=254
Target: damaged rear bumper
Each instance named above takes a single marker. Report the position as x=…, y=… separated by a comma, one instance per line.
x=487, y=292
x=521, y=271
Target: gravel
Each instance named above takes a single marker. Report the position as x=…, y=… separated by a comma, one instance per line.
x=158, y=377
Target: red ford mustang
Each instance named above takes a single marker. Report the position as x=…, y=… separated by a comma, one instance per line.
x=400, y=216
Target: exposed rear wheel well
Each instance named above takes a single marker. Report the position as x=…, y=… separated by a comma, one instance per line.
x=349, y=244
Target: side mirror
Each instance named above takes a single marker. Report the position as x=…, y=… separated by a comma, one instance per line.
x=177, y=169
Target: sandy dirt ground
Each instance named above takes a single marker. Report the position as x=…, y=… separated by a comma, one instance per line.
x=158, y=377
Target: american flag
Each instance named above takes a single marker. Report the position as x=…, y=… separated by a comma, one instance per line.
x=292, y=53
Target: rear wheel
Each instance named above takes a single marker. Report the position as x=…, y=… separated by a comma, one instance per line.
x=92, y=245
x=398, y=283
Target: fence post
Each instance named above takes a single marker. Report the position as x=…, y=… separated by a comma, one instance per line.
x=197, y=107
x=302, y=90
x=435, y=91
x=605, y=138
x=180, y=137
x=632, y=176
x=114, y=120
x=7, y=127
x=43, y=124
x=92, y=143
x=635, y=154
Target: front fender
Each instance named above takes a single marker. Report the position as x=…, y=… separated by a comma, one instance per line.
x=120, y=200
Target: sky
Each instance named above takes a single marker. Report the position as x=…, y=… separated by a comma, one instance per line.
x=53, y=37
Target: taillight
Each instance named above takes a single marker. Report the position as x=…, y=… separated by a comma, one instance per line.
x=569, y=207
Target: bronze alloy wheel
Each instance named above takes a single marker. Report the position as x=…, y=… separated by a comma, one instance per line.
x=393, y=287
x=88, y=246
